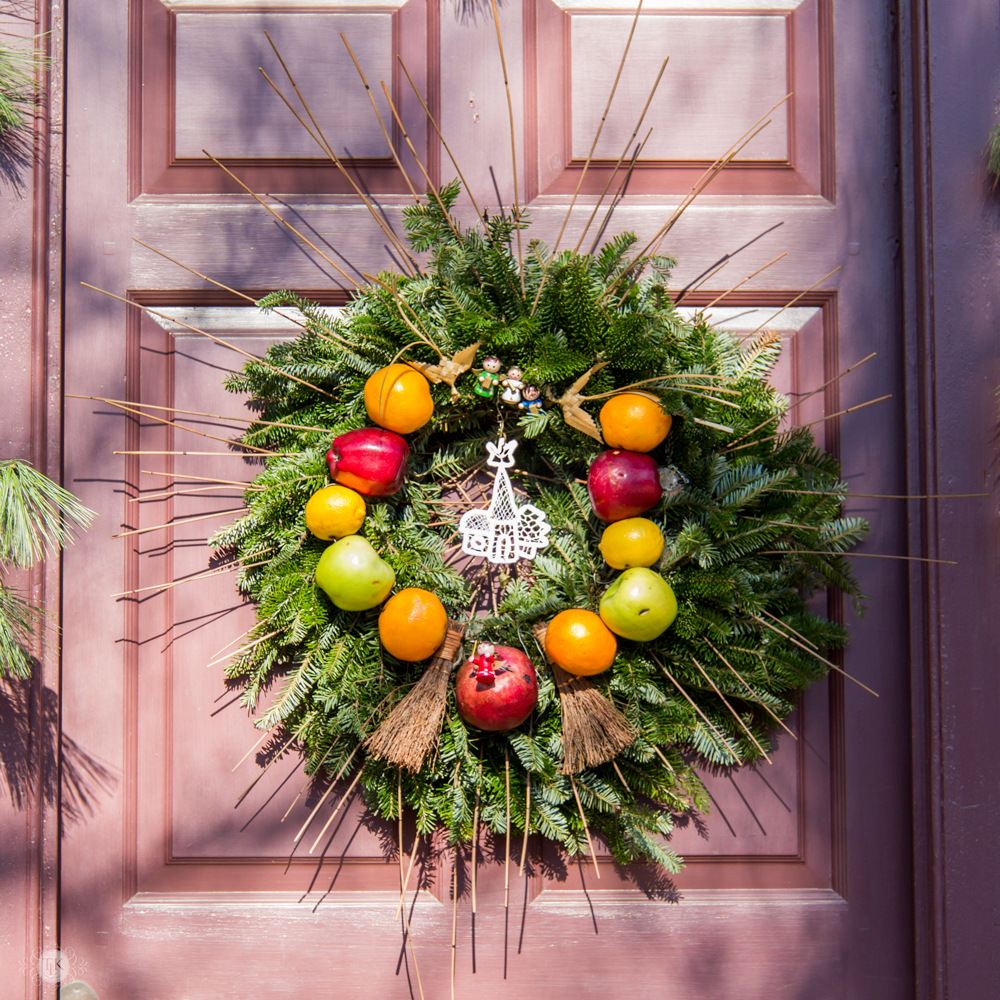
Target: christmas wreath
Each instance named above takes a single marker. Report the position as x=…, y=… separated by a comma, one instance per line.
x=625, y=607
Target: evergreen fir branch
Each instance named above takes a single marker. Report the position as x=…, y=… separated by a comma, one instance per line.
x=734, y=533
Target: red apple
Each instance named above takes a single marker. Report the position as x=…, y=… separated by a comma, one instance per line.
x=503, y=701
x=370, y=460
x=623, y=484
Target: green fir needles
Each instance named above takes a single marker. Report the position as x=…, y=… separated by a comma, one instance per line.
x=36, y=516
x=751, y=533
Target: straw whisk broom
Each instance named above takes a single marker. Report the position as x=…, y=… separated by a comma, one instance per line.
x=411, y=730
x=593, y=730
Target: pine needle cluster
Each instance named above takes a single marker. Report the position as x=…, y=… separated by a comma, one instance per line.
x=753, y=530
x=36, y=516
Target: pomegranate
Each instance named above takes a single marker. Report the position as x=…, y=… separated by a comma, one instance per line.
x=498, y=689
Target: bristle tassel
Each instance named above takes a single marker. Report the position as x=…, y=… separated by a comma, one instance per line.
x=411, y=730
x=593, y=730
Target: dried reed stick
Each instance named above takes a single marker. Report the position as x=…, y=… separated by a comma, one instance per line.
x=320, y=139
x=621, y=777
x=754, y=696
x=434, y=125
x=260, y=201
x=513, y=147
x=475, y=844
x=794, y=632
x=197, y=479
x=421, y=334
x=291, y=739
x=381, y=124
x=190, y=579
x=732, y=711
x=593, y=145
x=586, y=829
x=814, y=654
x=624, y=153
x=211, y=416
x=409, y=871
x=506, y=858
x=431, y=189
x=406, y=916
x=217, y=340
x=812, y=423
x=789, y=305
x=740, y=284
x=888, y=496
x=673, y=680
x=326, y=794
x=195, y=493
x=218, y=284
x=183, y=520
x=748, y=136
x=857, y=555
x=527, y=821
x=454, y=916
x=340, y=805
x=216, y=454
x=808, y=395
x=233, y=642
x=411, y=729
x=620, y=193
x=263, y=736
x=243, y=649
x=728, y=256
x=191, y=430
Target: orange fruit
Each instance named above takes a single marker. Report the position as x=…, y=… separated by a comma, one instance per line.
x=334, y=511
x=399, y=398
x=413, y=624
x=634, y=421
x=580, y=643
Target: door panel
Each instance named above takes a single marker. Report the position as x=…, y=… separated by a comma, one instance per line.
x=169, y=891
x=196, y=85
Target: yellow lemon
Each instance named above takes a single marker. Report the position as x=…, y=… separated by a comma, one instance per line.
x=636, y=541
x=334, y=511
x=398, y=398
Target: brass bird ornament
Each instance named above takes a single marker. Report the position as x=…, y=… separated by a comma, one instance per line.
x=571, y=402
x=448, y=369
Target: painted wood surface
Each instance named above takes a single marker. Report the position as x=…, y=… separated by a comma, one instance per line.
x=164, y=891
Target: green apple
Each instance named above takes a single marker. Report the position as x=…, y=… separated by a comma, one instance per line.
x=639, y=605
x=353, y=575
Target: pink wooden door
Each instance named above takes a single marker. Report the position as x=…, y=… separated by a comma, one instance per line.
x=796, y=884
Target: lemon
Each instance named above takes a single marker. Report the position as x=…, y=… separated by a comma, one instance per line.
x=334, y=511
x=636, y=541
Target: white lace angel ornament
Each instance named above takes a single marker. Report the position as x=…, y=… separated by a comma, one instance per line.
x=505, y=533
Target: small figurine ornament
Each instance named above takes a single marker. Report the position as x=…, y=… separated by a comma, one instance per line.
x=512, y=386
x=531, y=401
x=488, y=381
x=484, y=661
